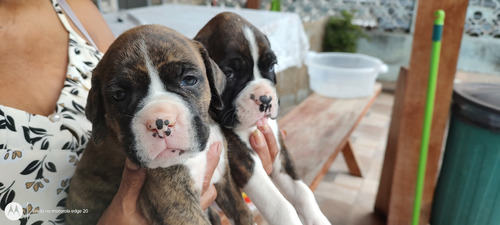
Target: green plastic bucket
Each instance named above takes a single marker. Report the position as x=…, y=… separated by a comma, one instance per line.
x=468, y=189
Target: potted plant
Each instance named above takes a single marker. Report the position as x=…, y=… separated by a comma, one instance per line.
x=341, y=35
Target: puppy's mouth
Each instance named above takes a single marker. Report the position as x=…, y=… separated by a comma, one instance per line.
x=264, y=119
x=170, y=153
x=162, y=134
x=270, y=116
x=169, y=144
x=165, y=143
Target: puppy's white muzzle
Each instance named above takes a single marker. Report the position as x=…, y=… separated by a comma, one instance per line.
x=163, y=132
x=257, y=100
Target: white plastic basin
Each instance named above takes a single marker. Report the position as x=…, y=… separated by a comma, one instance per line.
x=343, y=75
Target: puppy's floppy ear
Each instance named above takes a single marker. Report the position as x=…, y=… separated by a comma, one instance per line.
x=94, y=110
x=216, y=79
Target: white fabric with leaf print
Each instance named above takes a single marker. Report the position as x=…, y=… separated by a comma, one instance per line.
x=38, y=154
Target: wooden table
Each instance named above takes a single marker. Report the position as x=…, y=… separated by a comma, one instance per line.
x=319, y=128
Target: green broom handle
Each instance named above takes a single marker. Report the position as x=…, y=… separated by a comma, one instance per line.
x=429, y=107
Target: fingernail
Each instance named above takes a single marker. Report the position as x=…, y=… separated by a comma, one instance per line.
x=269, y=169
x=259, y=123
x=259, y=139
x=265, y=128
x=284, y=132
x=131, y=165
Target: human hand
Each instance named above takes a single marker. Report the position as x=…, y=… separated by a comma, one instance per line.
x=208, y=192
x=123, y=208
x=264, y=143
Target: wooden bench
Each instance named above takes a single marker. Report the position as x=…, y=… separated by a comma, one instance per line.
x=318, y=129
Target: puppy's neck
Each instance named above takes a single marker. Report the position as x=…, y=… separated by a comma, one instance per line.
x=198, y=163
x=107, y=152
x=215, y=133
x=244, y=133
x=240, y=129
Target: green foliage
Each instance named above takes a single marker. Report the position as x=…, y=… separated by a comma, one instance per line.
x=341, y=35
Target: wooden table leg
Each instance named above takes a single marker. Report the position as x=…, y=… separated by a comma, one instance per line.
x=350, y=159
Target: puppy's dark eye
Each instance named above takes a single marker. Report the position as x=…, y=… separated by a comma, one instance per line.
x=228, y=72
x=189, y=81
x=271, y=67
x=119, y=95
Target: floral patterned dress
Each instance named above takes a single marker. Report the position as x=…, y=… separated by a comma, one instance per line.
x=38, y=154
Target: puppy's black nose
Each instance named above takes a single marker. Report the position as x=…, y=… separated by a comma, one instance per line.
x=159, y=124
x=265, y=99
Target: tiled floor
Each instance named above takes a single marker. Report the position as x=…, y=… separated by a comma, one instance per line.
x=349, y=200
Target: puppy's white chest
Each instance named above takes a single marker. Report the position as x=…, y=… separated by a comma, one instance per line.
x=198, y=165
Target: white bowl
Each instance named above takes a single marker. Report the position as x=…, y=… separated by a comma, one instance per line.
x=343, y=75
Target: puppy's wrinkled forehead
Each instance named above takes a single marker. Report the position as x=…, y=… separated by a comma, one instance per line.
x=254, y=43
x=220, y=32
x=152, y=49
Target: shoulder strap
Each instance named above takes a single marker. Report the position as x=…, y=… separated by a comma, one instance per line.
x=64, y=5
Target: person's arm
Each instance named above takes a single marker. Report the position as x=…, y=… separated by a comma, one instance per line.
x=91, y=18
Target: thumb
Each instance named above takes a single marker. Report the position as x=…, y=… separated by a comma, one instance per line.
x=131, y=184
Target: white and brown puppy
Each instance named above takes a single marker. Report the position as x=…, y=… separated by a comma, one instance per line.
x=244, y=54
x=151, y=99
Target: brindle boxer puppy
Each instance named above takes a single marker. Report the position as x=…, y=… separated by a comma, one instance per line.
x=151, y=99
x=244, y=54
